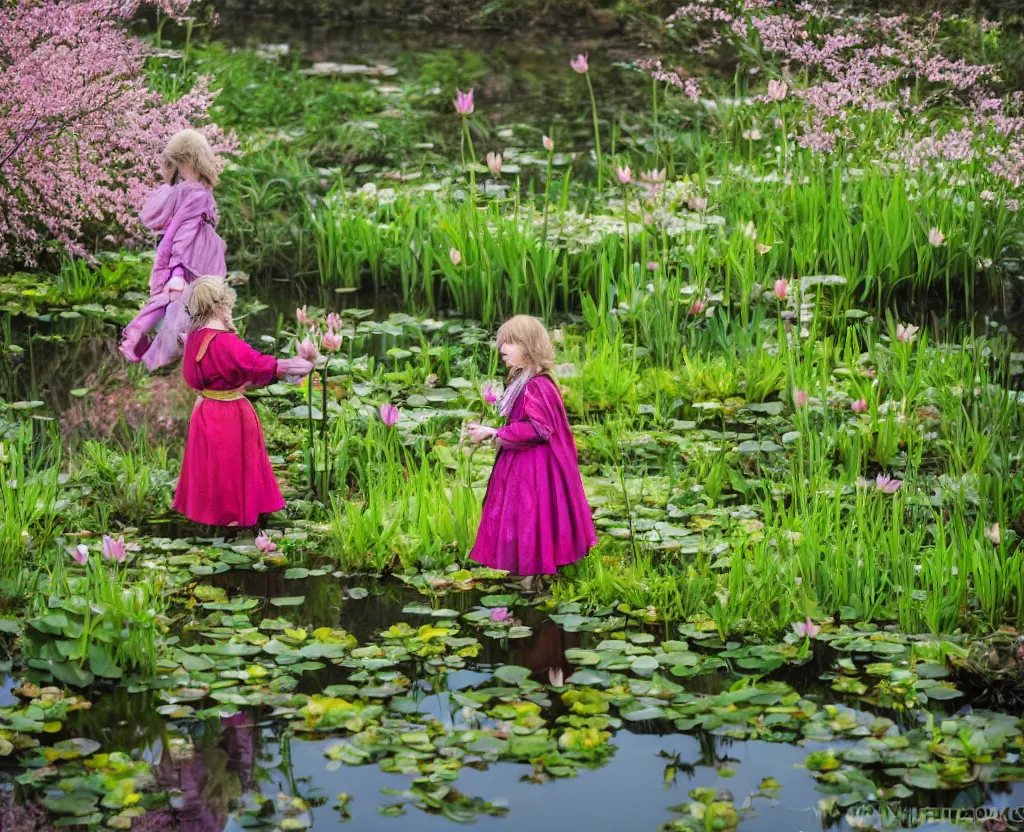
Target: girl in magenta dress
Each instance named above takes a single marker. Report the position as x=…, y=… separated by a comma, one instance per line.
x=226, y=478
x=535, y=515
x=183, y=210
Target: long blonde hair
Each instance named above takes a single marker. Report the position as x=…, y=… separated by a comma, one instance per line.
x=190, y=147
x=530, y=334
x=208, y=297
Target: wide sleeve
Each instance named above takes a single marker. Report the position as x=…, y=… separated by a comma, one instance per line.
x=538, y=420
x=159, y=208
x=239, y=364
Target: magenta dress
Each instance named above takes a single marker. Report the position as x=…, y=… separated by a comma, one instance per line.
x=226, y=478
x=190, y=247
x=535, y=515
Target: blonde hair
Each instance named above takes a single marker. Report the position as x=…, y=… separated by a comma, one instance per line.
x=208, y=297
x=190, y=147
x=530, y=334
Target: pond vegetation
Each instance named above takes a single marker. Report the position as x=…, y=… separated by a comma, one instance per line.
x=779, y=297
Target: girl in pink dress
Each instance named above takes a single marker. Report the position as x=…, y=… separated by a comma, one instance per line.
x=535, y=515
x=226, y=478
x=183, y=210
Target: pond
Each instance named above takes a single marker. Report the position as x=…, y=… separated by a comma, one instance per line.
x=217, y=765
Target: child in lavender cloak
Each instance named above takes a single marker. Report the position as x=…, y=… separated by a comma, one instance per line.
x=184, y=211
x=535, y=516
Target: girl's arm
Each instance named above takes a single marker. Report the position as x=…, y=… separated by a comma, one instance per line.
x=240, y=365
x=537, y=424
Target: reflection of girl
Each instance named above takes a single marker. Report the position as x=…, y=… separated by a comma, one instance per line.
x=209, y=780
x=544, y=653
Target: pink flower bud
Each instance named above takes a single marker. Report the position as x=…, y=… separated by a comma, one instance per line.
x=389, y=414
x=80, y=553
x=265, y=544
x=859, y=406
x=308, y=351
x=549, y=145
x=781, y=289
x=463, y=102
x=114, y=549
x=490, y=392
x=580, y=63
x=777, y=90
x=455, y=256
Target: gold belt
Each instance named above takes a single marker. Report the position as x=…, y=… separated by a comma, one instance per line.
x=224, y=395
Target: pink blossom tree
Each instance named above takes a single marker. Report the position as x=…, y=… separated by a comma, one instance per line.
x=855, y=66
x=80, y=132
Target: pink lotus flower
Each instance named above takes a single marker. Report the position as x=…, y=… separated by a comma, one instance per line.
x=993, y=535
x=698, y=307
x=625, y=175
x=494, y=162
x=114, y=549
x=308, y=350
x=653, y=176
x=463, y=102
x=265, y=544
x=781, y=288
x=906, y=334
x=799, y=398
x=455, y=256
x=500, y=614
x=777, y=90
x=331, y=341
x=887, y=484
x=549, y=145
x=556, y=678
x=334, y=321
x=697, y=203
x=936, y=237
x=580, y=63
x=807, y=629
x=653, y=266
x=302, y=317
x=859, y=406
x=80, y=553
x=490, y=392
x=389, y=414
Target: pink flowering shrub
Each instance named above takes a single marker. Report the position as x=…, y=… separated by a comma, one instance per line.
x=80, y=131
x=872, y=76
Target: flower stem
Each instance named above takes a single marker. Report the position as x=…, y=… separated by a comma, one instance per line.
x=547, y=191
x=309, y=420
x=472, y=157
x=325, y=482
x=597, y=132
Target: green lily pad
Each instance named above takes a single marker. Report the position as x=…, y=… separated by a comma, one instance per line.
x=289, y=601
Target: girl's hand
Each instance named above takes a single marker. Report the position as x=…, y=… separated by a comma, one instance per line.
x=478, y=433
x=174, y=287
x=293, y=368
